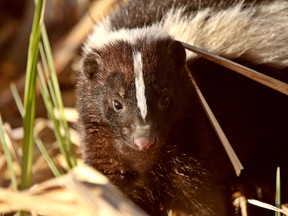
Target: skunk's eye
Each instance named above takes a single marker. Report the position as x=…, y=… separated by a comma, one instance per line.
x=165, y=100
x=117, y=105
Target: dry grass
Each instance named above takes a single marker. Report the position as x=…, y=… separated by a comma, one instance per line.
x=81, y=192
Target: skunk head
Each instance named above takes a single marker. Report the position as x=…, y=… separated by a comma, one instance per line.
x=131, y=79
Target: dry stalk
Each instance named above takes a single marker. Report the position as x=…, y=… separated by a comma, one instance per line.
x=82, y=192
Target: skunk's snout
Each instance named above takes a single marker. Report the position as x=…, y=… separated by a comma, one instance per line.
x=144, y=143
x=144, y=138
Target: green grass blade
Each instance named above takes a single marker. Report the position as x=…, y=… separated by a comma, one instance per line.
x=278, y=192
x=30, y=97
x=56, y=93
x=7, y=154
x=50, y=111
x=17, y=99
x=47, y=157
x=50, y=100
x=38, y=141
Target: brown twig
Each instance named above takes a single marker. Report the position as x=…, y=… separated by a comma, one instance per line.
x=245, y=71
x=220, y=133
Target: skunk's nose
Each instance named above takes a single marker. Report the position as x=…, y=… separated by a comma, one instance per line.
x=144, y=143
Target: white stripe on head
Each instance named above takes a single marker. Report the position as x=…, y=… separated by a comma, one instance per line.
x=139, y=84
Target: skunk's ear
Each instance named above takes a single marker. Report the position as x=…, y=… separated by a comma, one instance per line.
x=91, y=65
x=177, y=53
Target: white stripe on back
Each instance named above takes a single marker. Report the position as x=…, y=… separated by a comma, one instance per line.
x=139, y=84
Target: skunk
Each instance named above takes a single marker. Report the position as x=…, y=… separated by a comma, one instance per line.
x=140, y=119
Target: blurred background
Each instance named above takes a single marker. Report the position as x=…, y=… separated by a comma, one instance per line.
x=16, y=18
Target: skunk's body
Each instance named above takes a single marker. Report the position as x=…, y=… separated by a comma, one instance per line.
x=141, y=122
